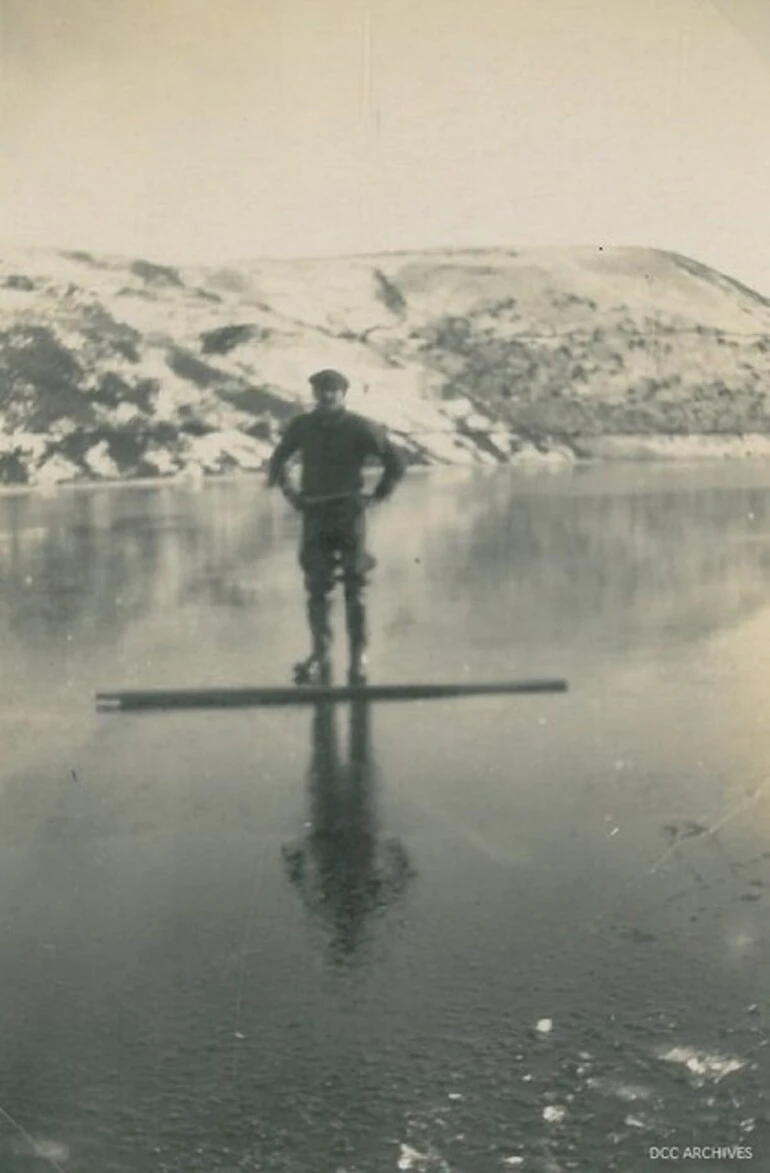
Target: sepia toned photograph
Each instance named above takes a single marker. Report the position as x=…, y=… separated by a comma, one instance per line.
x=384, y=586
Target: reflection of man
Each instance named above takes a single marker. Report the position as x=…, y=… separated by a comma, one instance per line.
x=343, y=873
x=334, y=445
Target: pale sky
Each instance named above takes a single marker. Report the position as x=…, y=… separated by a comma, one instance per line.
x=209, y=130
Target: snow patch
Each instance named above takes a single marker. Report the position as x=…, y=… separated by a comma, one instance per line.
x=55, y=471
x=629, y=1093
x=162, y=461
x=692, y=447
x=702, y=1063
x=30, y=444
x=529, y=454
x=216, y=448
x=411, y=1158
x=99, y=461
x=44, y=1148
x=126, y=413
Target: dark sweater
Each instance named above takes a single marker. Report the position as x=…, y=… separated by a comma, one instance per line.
x=334, y=448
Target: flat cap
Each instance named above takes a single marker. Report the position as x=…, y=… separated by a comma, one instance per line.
x=328, y=380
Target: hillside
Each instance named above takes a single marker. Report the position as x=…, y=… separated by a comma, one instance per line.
x=111, y=367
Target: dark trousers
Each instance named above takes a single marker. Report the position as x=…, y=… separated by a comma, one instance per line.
x=333, y=549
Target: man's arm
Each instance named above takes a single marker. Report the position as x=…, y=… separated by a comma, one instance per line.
x=393, y=466
x=288, y=445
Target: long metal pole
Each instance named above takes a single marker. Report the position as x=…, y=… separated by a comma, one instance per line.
x=230, y=698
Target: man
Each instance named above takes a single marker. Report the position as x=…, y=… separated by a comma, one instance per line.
x=333, y=444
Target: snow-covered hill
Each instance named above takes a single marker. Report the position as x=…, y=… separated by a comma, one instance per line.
x=112, y=367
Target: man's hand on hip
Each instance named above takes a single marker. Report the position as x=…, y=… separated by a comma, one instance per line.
x=293, y=497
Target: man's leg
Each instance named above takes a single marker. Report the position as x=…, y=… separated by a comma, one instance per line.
x=356, y=566
x=318, y=614
x=317, y=561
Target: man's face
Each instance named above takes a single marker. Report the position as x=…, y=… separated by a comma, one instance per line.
x=329, y=398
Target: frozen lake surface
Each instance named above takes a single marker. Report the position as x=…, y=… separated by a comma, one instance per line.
x=471, y=935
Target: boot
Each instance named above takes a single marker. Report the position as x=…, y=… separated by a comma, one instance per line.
x=315, y=671
x=358, y=667
x=317, y=668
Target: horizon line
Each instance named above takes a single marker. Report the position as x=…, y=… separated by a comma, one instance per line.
x=330, y=258
x=304, y=258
